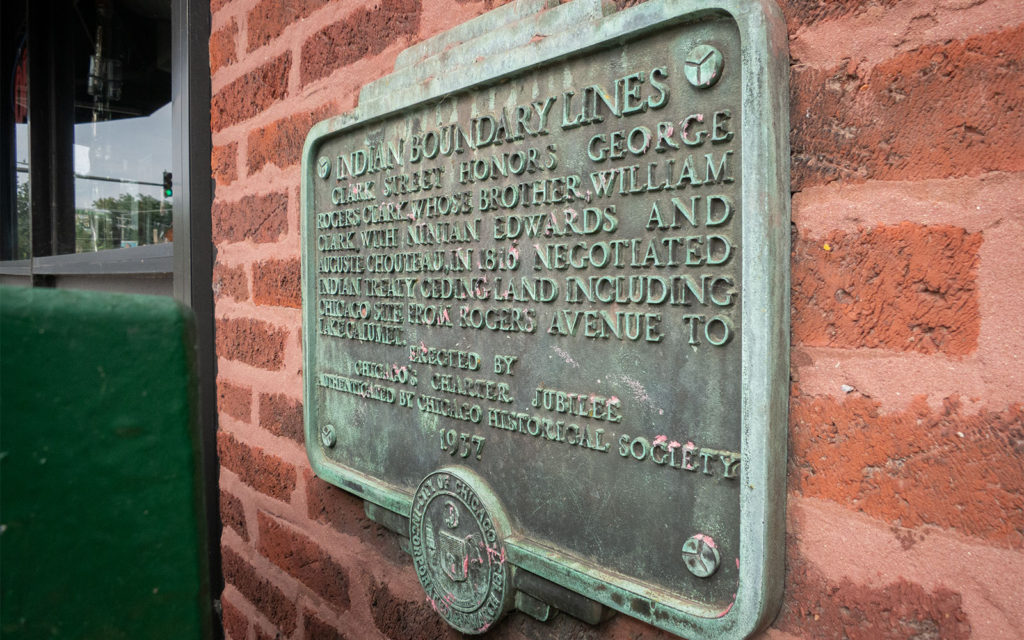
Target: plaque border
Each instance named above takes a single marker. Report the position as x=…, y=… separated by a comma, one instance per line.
x=765, y=271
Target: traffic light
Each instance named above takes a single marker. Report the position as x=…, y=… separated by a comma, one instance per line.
x=168, y=191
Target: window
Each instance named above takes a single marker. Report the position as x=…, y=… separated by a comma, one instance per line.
x=88, y=117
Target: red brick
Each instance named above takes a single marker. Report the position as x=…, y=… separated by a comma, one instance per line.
x=950, y=468
x=254, y=342
x=251, y=94
x=232, y=513
x=817, y=608
x=343, y=511
x=264, y=472
x=259, y=218
x=269, y=18
x=262, y=634
x=230, y=282
x=903, y=288
x=236, y=626
x=276, y=283
x=222, y=46
x=304, y=560
x=364, y=33
x=280, y=142
x=264, y=595
x=282, y=416
x=224, y=163
x=399, y=618
x=317, y=629
x=804, y=12
x=939, y=111
x=234, y=400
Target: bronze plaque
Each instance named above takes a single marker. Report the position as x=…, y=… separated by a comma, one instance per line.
x=542, y=320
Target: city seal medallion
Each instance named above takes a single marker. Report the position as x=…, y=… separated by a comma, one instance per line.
x=457, y=534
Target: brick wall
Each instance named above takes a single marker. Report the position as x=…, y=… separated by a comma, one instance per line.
x=906, y=469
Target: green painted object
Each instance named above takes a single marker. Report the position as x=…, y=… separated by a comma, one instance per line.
x=99, y=501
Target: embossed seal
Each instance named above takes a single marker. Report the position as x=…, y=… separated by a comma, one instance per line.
x=458, y=550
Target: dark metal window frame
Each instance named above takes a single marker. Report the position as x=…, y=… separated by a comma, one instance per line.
x=193, y=241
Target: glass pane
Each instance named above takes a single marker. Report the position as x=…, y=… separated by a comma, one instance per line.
x=122, y=140
x=23, y=241
x=119, y=182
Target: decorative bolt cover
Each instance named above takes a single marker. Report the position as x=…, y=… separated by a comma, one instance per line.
x=703, y=66
x=327, y=435
x=701, y=555
x=323, y=167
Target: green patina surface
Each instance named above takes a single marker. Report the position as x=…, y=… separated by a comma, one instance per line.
x=607, y=524
x=100, y=530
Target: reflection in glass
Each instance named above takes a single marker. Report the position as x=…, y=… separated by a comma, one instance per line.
x=122, y=143
x=23, y=246
x=119, y=58
x=119, y=169
x=23, y=217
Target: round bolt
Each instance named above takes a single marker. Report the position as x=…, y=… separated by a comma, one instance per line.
x=703, y=66
x=701, y=555
x=327, y=435
x=323, y=167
